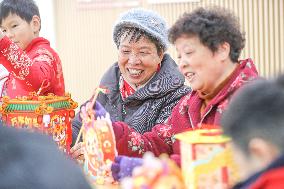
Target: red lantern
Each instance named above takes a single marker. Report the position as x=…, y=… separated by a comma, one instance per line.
x=39, y=119
x=72, y=113
x=45, y=114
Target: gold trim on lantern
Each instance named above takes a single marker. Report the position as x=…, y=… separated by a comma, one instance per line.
x=43, y=109
x=203, y=136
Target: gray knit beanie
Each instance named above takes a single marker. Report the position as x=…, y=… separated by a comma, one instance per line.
x=148, y=21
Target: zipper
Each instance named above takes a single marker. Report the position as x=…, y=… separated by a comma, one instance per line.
x=206, y=114
x=190, y=119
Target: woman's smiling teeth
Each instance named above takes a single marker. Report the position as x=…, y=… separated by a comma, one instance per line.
x=135, y=72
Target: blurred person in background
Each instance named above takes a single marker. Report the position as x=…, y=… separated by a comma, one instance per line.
x=255, y=122
x=33, y=161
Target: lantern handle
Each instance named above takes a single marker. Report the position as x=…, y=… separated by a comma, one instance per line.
x=89, y=111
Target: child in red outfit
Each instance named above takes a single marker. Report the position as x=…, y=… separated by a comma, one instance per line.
x=32, y=64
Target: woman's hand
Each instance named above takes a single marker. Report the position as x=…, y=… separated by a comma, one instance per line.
x=123, y=166
x=98, y=110
x=77, y=152
x=86, y=112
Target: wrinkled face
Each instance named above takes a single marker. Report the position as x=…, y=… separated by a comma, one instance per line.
x=138, y=61
x=198, y=64
x=18, y=30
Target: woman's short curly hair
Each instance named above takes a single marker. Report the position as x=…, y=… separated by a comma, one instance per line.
x=213, y=26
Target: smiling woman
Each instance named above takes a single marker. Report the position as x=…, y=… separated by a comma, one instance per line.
x=138, y=61
x=144, y=83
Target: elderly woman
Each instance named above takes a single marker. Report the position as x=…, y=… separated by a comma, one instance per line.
x=145, y=83
x=208, y=42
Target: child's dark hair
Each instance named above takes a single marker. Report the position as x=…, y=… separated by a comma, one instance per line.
x=25, y=9
x=213, y=26
x=257, y=112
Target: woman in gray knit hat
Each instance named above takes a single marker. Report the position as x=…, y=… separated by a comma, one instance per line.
x=144, y=83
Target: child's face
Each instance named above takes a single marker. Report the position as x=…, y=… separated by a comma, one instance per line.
x=244, y=163
x=19, y=30
x=260, y=154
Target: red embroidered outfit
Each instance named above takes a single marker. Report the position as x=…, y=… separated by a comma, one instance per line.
x=37, y=68
x=186, y=115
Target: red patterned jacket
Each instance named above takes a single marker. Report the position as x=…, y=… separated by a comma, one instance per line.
x=37, y=68
x=185, y=116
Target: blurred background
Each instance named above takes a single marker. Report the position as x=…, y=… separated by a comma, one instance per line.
x=81, y=32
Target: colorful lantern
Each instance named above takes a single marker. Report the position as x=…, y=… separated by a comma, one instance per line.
x=47, y=114
x=99, y=144
x=207, y=160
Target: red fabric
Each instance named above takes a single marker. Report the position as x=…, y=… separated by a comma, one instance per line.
x=38, y=66
x=185, y=116
x=272, y=179
x=125, y=89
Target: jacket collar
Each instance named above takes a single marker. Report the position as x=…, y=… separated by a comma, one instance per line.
x=245, y=72
x=36, y=41
x=164, y=81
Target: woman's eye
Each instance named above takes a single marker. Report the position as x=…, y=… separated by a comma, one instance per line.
x=15, y=25
x=144, y=53
x=188, y=52
x=125, y=51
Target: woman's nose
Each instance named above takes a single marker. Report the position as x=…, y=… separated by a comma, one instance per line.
x=182, y=64
x=181, y=67
x=133, y=59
